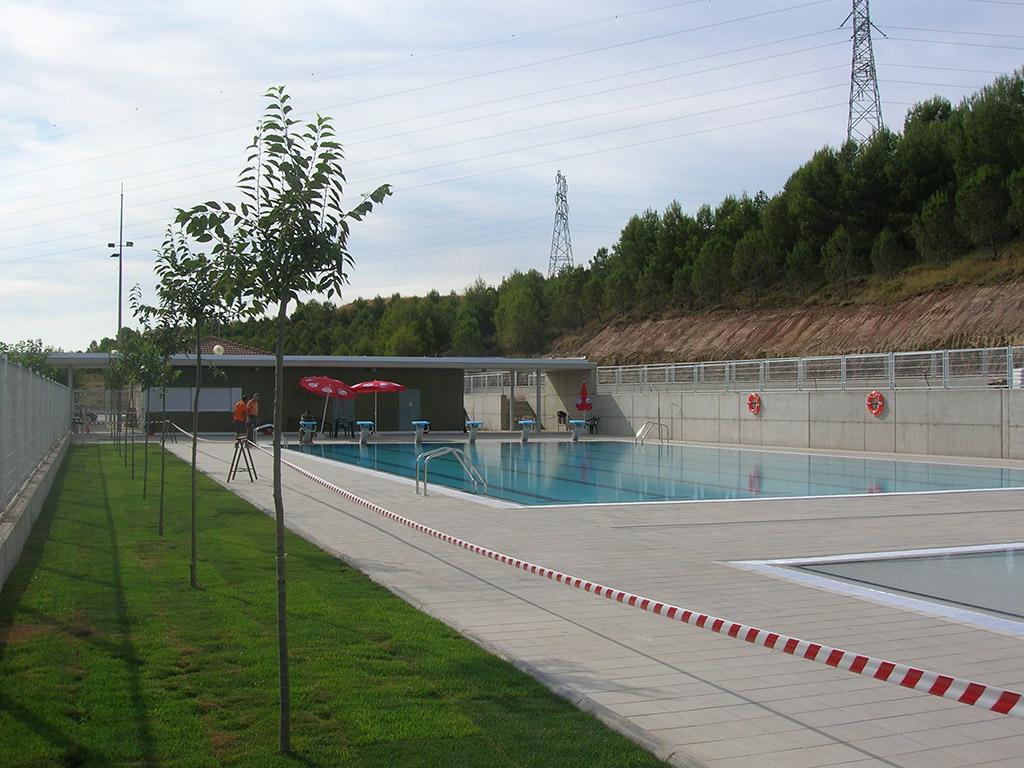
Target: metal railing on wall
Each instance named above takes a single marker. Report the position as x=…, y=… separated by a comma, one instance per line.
x=34, y=413
x=937, y=369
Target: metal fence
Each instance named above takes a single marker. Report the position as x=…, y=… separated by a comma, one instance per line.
x=493, y=381
x=34, y=413
x=940, y=369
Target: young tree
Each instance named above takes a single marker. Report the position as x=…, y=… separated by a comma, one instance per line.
x=31, y=354
x=838, y=258
x=890, y=253
x=287, y=237
x=981, y=206
x=521, y=316
x=1015, y=186
x=193, y=289
x=754, y=266
x=934, y=229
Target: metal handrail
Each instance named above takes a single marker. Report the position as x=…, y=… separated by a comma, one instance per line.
x=926, y=369
x=646, y=430
x=467, y=465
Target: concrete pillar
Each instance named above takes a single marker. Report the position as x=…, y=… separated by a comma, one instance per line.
x=537, y=409
x=512, y=400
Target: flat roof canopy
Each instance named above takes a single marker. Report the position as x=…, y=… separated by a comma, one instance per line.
x=553, y=364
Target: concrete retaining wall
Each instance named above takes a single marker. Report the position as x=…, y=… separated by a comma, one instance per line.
x=982, y=422
x=985, y=423
x=17, y=521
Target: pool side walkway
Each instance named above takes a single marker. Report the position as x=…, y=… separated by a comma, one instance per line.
x=692, y=696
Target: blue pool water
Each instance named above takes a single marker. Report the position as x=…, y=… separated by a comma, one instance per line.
x=591, y=472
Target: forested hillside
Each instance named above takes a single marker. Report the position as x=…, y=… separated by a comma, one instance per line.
x=849, y=223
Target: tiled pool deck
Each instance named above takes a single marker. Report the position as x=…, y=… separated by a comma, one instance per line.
x=693, y=697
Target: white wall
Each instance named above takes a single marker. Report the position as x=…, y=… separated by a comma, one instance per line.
x=955, y=422
x=981, y=422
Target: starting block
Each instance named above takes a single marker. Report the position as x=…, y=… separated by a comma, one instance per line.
x=421, y=427
x=472, y=427
x=527, y=426
x=578, y=425
x=365, y=428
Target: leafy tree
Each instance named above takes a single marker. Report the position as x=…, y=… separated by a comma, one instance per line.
x=31, y=354
x=592, y=298
x=712, y=271
x=815, y=196
x=754, y=266
x=405, y=330
x=1015, y=186
x=628, y=260
x=922, y=164
x=981, y=206
x=564, y=293
x=157, y=344
x=193, y=289
x=679, y=241
x=467, y=338
x=935, y=231
x=288, y=236
x=802, y=265
x=521, y=317
x=870, y=191
x=890, y=253
x=991, y=129
x=839, y=259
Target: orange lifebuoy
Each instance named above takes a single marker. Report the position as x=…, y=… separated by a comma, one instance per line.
x=754, y=403
x=875, y=402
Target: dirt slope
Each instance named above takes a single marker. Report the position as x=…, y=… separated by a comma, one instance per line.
x=991, y=315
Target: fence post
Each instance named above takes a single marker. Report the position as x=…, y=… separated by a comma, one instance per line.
x=1009, y=367
x=891, y=361
x=799, y=374
x=842, y=372
x=4, y=416
x=945, y=369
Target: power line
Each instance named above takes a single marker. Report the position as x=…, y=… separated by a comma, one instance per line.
x=456, y=109
x=522, y=166
x=380, y=64
x=452, y=81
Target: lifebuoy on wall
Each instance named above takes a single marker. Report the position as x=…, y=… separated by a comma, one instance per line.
x=754, y=403
x=875, y=402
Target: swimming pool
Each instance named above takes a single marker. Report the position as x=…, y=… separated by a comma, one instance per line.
x=981, y=585
x=597, y=472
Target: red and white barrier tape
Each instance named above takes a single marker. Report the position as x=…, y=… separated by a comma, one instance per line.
x=1000, y=700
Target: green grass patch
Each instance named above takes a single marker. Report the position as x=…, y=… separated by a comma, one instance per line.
x=107, y=657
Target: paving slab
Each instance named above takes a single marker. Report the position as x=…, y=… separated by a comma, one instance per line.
x=694, y=697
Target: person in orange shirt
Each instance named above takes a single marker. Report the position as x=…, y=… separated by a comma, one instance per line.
x=240, y=416
x=253, y=409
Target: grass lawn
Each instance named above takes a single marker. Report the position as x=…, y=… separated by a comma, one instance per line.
x=107, y=657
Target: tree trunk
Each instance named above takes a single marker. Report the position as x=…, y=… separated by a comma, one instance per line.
x=145, y=460
x=163, y=454
x=192, y=566
x=133, y=427
x=282, y=617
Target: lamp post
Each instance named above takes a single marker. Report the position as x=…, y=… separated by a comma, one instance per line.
x=120, y=245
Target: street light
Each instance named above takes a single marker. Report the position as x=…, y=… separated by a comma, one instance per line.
x=118, y=254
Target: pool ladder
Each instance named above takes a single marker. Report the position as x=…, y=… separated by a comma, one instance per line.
x=645, y=430
x=470, y=469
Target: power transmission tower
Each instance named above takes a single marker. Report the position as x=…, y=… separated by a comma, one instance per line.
x=561, y=241
x=865, y=105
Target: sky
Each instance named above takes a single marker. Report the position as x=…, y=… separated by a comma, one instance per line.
x=467, y=109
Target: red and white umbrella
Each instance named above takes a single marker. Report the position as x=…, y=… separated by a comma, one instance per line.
x=329, y=388
x=376, y=386
x=583, y=402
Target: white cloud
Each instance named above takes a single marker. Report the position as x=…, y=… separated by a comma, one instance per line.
x=164, y=95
